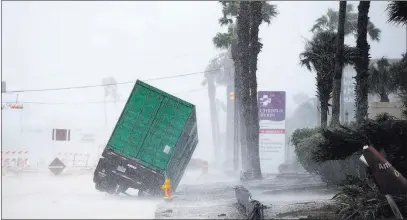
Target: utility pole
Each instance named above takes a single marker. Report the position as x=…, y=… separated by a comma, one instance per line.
x=105, y=113
x=21, y=116
x=3, y=87
x=342, y=101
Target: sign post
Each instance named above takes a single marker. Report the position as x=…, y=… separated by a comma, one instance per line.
x=56, y=166
x=272, y=108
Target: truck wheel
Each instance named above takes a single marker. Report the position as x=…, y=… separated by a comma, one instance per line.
x=122, y=188
x=109, y=186
x=99, y=187
x=125, y=188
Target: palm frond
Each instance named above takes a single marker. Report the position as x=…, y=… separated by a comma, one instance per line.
x=232, y=8
x=381, y=80
x=268, y=12
x=222, y=40
x=320, y=23
x=223, y=21
x=397, y=11
x=333, y=19
x=305, y=60
x=349, y=8
x=329, y=22
x=373, y=32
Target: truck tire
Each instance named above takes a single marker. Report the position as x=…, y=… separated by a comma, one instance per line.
x=122, y=188
x=99, y=187
x=109, y=186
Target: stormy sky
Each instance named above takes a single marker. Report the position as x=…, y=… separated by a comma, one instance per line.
x=67, y=44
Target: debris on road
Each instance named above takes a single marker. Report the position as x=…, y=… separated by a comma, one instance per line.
x=253, y=209
x=209, y=201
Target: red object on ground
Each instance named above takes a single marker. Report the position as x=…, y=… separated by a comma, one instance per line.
x=389, y=180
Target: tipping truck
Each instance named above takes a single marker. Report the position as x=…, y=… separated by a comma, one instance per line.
x=154, y=138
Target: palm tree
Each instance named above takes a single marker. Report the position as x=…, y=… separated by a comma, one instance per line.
x=362, y=62
x=230, y=12
x=329, y=22
x=380, y=80
x=319, y=56
x=215, y=75
x=397, y=11
x=336, y=93
x=399, y=75
x=229, y=40
x=253, y=122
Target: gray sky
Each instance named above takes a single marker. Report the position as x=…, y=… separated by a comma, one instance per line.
x=62, y=44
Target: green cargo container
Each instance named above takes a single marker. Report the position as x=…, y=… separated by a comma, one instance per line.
x=154, y=137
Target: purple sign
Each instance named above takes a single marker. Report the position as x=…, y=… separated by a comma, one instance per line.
x=271, y=105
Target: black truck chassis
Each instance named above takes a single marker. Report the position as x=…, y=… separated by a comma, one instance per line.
x=115, y=174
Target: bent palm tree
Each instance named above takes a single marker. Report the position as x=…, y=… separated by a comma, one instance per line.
x=329, y=22
x=397, y=11
x=319, y=56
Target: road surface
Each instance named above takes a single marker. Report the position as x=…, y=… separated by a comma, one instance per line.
x=44, y=196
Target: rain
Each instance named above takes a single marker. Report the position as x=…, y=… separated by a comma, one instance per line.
x=195, y=109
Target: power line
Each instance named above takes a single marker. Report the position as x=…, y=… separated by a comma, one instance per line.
x=94, y=102
x=154, y=58
x=109, y=84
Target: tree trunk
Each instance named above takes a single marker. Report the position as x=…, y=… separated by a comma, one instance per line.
x=324, y=112
x=241, y=138
x=253, y=122
x=241, y=79
x=240, y=129
x=214, y=115
x=362, y=63
x=318, y=106
x=384, y=97
x=336, y=91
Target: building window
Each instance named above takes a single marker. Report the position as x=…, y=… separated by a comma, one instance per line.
x=61, y=134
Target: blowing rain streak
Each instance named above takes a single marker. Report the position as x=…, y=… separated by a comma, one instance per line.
x=204, y=110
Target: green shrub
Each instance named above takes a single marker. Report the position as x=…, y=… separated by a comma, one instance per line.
x=384, y=133
x=305, y=150
x=333, y=152
x=299, y=134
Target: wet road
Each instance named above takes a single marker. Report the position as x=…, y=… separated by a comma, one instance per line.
x=45, y=196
